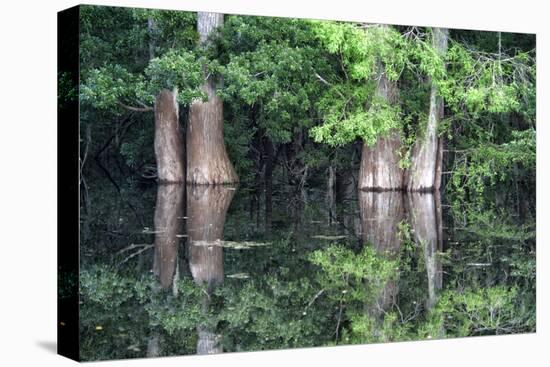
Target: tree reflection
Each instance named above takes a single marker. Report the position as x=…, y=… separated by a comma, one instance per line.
x=425, y=219
x=168, y=230
x=206, y=210
x=381, y=214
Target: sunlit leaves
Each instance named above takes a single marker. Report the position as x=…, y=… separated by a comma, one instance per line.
x=342, y=127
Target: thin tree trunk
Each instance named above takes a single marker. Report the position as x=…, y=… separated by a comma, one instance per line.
x=207, y=159
x=424, y=173
x=168, y=139
x=331, y=194
x=268, y=179
x=151, y=31
x=379, y=170
x=439, y=161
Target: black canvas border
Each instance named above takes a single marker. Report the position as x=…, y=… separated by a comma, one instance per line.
x=68, y=182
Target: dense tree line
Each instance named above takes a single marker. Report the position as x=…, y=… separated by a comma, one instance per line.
x=391, y=106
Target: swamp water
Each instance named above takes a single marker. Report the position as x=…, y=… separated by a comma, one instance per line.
x=175, y=270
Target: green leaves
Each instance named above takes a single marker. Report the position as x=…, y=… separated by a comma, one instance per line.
x=107, y=87
x=342, y=127
x=482, y=311
x=112, y=87
x=278, y=81
x=362, y=47
x=179, y=70
x=353, y=277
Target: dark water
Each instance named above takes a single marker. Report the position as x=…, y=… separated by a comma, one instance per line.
x=172, y=270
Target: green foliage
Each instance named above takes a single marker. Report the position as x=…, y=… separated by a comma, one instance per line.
x=482, y=311
x=364, y=54
x=179, y=70
x=297, y=83
x=277, y=80
x=343, y=270
x=378, y=120
x=479, y=82
x=482, y=167
x=363, y=47
x=106, y=88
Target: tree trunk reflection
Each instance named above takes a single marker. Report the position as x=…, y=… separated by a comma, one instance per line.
x=425, y=219
x=168, y=226
x=206, y=210
x=381, y=213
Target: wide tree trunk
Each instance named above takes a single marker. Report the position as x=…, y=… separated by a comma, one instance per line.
x=168, y=139
x=379, y=170
x=206, y=210
x=425, y=218
x=207, y=159
x=381, y=213
x=424, y=174
x=168, y=228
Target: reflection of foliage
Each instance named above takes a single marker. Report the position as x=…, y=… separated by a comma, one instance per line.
x=350, y=277
x=482, y=311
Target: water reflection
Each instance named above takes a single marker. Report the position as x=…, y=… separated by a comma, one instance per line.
x=264, y=290
x=205, y=218
x=168, y=231
x=425, y=219
x=381, y=213
x=206, y=210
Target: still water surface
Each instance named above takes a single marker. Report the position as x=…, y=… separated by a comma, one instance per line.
x=205, y=269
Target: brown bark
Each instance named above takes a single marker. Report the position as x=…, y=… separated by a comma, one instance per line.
x=381, y=213
x=423, y=174
x=168, y=225
x=379, y=170
x=207, y=159
x=168, y=139
x=425, y=218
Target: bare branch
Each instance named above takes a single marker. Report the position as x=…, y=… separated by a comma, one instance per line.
x=136, y=109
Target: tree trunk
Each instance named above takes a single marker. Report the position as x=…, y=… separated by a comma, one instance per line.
x=331, y=194
x=424, y=174
x=425, y=218
x=153, y=346
x=381, y=213
x=207, y=159
x=168, y=225
x=379, y=170
x=168, y=140
x=268, y=179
